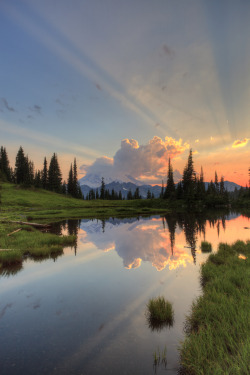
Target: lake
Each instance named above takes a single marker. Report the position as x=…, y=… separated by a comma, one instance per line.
x=84, y=312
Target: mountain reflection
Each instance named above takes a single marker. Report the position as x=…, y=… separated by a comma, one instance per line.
x=169, y=242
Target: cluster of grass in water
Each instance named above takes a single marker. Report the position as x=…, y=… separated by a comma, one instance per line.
x=160, y=313
x=206, y=247
x=218, y=328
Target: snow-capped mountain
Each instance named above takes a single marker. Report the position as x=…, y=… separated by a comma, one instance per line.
x=94, y=181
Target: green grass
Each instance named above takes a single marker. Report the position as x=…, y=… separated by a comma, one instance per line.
x=37, y=204
x=159, y=312
x=218, y=327
x=30, y=242
x=206, y=247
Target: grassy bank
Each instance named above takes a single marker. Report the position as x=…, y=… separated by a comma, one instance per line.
x=218, y=328
x=38, y=204
x=29, y=242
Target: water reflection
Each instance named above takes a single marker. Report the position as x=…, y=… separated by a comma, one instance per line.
x=170, y=241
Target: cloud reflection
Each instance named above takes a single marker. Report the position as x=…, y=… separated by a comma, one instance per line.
x=139, y=241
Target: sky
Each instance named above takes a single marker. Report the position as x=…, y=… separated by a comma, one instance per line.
x=124, y=85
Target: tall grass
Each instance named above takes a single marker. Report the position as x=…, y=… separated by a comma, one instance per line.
x=218, y=327
x=159, y=313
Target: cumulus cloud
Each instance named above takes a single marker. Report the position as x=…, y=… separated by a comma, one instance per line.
x=147, y=162
x=240, y=143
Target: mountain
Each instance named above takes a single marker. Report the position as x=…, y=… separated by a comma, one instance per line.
x=229, y=186
x=95, y=182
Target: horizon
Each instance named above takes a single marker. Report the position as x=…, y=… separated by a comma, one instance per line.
x=125, y=86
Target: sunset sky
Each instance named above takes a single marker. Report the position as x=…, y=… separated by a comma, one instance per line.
x=123, y=85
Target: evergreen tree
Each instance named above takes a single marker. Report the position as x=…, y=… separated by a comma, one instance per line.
x=216, y=183
x=70, y=188
x=162, y=190
x=137, y=194
x=45, y=175
x=170, y=188
x=120, y=195
x=149, y=196
x=189, y=179
x=54, y=175
x=38, y=180
x=4, y=164
x=64, y=188
x=20, y=166
x=102, y=190
x=179, y=191
x=129, y=195
x=75, y=192
x=96, y=194
x=222, y=186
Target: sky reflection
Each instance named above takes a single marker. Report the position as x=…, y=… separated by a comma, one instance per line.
x=166, y=242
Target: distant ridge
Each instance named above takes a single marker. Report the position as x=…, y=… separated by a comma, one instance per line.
x=124, y=187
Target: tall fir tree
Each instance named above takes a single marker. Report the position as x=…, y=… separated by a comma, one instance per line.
x=20, y=166
x=102, y=190
x=70, y=188
x=188, y=180
x=170, y=188
x=4, y=164
x=44, y=176
x=54, y=175
x=216, y=183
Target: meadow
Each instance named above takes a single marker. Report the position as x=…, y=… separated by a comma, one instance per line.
x=218, y=326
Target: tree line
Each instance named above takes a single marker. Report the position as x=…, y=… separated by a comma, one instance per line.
x=49, y=177
x=191, y=188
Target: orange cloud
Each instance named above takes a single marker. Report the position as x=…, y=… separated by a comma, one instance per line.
x=240, y=143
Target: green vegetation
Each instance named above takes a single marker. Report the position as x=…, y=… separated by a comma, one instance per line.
x=206, y=247
x=218, y=328
x=160, y=358
x=29, y=242
x=160, y=310
x=38, y=204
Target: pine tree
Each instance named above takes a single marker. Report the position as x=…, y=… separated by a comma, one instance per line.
x=4, y=164
x=70, y=187
x=54, y=175
x=137, y=194
x=75, y=191
x=189, y=179
x=64, y=188
x=149, y=196
x=45, y=174
x=170, y=188
x=102, y=191
x=216, y=183
x=38, y=180
x=20, y=166
x=222, y=186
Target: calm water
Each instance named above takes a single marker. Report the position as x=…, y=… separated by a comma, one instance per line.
x=84, y=312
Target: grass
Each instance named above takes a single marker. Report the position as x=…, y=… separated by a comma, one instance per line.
x=218, y=327
x=37, y=204
x=160, y=358
x=206, y=247
x=29, y=242
x=159, y=312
